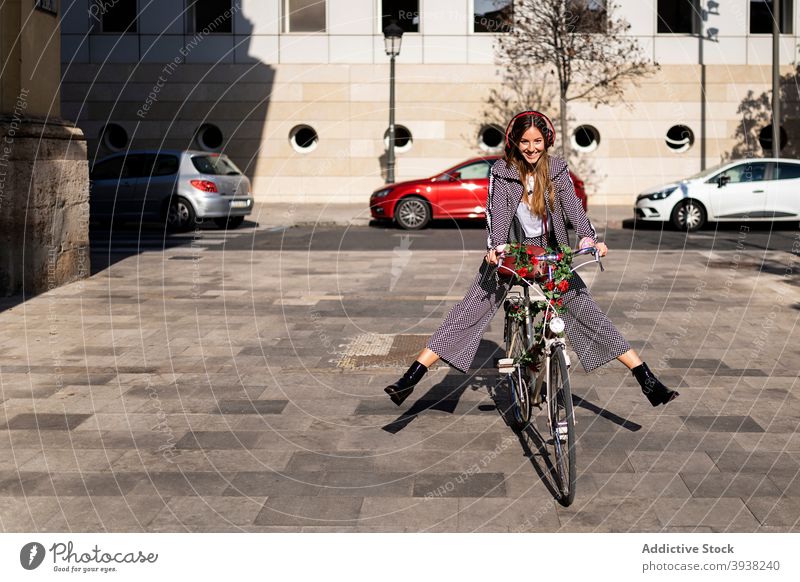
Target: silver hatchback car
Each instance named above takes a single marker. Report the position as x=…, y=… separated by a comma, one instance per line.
x=176, y=188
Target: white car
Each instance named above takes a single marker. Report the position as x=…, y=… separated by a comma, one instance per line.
x=761, y=189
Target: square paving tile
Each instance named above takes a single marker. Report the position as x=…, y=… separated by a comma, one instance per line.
x=743, y=485
x=213, y=513
x=505, y=514
x=250, y=406
x=459, y=485
x=45, y=421
x=310, y=511
x=720, y=514
x=219, y=440
x=734, y=424
x=275, y=484
x=775, y=511
x=754, y=462
x=592, y=513
x=412, y=514
x=367, y=484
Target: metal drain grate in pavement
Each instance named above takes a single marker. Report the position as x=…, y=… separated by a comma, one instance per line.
x=372, y=350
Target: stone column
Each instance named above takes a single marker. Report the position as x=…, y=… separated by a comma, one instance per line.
x=44, y=180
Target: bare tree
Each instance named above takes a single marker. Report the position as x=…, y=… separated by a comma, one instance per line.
x=580, y=44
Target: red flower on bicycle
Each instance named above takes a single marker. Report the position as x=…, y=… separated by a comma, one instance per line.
x=550, y=285
x=563, y=286
x=523, y=272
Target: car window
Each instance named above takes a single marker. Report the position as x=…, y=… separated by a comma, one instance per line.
x=138, y=165
x=108, y=169
x=787, y=171
x=475, y=171
x=216, y=165
x=165, y=165
x=747, y=172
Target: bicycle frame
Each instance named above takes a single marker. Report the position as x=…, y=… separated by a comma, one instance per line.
x=550, y=339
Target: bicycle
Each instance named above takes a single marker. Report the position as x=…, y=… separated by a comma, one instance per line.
x=536, y=358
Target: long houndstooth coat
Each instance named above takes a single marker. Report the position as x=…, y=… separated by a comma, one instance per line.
x=593, y=337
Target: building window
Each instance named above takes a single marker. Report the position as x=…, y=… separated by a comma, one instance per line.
x=761, y=17
x=587, y=16
x=117, y=16
x=209, y=137
x=585, y=138
x=491, y=137
x=678, y=16
x=404, y=12
x=403, y=140
x=304, y=138
x=114, y=137
x=304, y=16
x=680, y=138
x=492, y=15
x=210, y=16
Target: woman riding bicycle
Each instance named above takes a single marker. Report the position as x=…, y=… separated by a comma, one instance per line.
x=530, y=191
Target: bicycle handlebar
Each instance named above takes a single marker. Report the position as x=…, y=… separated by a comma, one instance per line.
x=552, y=257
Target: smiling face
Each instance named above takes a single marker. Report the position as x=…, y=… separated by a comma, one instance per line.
x=531, y=145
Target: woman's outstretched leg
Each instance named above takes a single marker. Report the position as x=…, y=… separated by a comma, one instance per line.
x=403, y=388
x=655, y=391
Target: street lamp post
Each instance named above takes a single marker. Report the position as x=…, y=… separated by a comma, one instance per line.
x=392, y=37
x=776, y=79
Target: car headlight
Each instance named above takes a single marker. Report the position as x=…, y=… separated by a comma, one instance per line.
x=660, y=195
x=381, y=193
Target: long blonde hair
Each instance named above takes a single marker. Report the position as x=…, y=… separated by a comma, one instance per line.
x=542, y=185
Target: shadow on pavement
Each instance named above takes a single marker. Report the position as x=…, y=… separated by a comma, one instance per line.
x=113, y=242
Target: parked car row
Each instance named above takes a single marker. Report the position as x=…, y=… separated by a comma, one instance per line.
x=459, y=192
x=175, y=188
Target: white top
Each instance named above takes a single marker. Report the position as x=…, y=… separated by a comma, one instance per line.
x=531, y=224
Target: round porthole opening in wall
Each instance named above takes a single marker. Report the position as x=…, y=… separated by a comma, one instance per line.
x=304, y=138
x=585, y=138
x=679, y=138
x=403, y=140
x=490, y=138
x=765, y=138
x=209, y=137
x=114, y=137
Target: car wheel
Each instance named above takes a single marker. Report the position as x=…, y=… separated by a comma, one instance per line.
x=180, y=215
x=689, y=216
x=229, y=222
x=412, y=213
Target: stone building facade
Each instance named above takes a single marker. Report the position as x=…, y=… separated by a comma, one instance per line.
x=296, y=91
x=44, y=194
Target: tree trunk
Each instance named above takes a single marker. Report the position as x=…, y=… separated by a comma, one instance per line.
x=565, y=141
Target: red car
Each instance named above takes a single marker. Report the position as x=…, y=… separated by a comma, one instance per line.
x=459, y=192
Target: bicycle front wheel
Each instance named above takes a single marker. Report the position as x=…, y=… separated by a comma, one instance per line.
x=519, y=384
x=562, y=426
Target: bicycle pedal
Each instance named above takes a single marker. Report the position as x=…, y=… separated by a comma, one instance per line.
x=505, y=365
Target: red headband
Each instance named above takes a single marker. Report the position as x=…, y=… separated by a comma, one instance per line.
x=550, y=134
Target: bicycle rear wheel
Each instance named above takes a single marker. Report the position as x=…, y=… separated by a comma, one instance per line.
x=518, y=381
x=562, y=426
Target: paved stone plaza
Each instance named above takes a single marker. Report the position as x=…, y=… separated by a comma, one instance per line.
x=200, y=388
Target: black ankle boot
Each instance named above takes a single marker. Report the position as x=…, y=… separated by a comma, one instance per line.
x=655, y=391
x=403, y=388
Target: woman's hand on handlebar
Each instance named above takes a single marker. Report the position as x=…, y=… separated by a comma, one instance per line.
x=602, y=249
x=491, y=257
